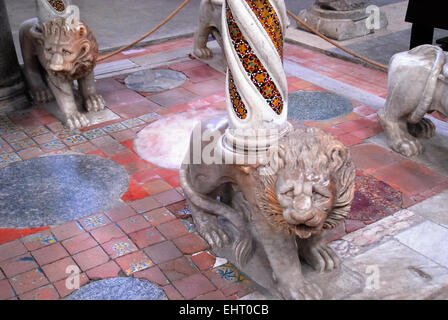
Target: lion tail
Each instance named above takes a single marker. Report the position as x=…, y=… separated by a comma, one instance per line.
x=243, y=245
x=243, y=249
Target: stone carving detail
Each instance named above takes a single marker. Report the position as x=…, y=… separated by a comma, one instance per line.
x=271, y=216
x=209, y=23
x=56, y=53
x=267, y=192
x=417, y=84
x=342, y=19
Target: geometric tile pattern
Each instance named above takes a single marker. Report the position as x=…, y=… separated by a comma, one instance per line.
x=270, y=21
x=113, y=128
x=7, y=126
x=76, y=139
x=122, y=248
x=133, y=122
x=8, y=158
x=54, y=145
x=229, y=272
x=94, y=133
x=23, y=144
x=150, y=117
x=36, y=131
x=94, y=222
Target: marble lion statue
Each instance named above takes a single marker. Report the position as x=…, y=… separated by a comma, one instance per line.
x=209, y=23
x=269, y=217
x=417, y=84
x=56, y=53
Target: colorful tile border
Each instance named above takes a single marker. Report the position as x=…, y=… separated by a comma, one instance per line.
x=75, y=139
x=115, y=127
x=135, y=122
x=229, y=272
x=8, y=158
x=54, y=145
x=94, y=133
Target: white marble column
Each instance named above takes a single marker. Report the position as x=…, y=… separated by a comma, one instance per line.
x=256, y=91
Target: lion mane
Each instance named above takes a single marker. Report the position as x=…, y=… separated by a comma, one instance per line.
x=82, y=42
x=321, y=154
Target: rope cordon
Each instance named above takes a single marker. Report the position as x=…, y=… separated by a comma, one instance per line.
x=299, y=21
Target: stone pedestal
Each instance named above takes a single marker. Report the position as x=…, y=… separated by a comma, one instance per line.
x=12, y=86
x=341, y=22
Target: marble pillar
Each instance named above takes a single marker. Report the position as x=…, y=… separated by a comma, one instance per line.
x=12, y=87
x=256, y=90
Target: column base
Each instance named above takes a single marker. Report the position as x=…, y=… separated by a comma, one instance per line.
x=13, y=98
x=250, y=146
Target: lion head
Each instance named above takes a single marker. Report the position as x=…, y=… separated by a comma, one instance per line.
x=312, y=186
x=68, y=49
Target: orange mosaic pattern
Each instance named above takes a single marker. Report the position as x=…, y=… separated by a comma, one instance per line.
x=238, y=105
x=57, y=4
x=253, y=66
x=270, y=21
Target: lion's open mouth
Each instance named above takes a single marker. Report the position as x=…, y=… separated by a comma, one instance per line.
x=303, y=231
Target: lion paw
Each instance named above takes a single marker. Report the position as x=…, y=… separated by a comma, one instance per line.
x=215, y=236
x=203, y=53
x=408, y=147
x=42, y=95
x=321, y=257
x=425, y=128
x=94, y=102
x=76, y=120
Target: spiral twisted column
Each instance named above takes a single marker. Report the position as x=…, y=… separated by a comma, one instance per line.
x=48, y=10
x=256, y=90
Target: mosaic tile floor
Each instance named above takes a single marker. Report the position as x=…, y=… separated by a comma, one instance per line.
x=149, y=234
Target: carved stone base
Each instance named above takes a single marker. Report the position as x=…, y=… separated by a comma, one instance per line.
x=339, y=25
x=335, y=285
x=13, y=98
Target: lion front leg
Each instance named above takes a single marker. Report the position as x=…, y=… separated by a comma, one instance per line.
x=200, y=42
x=398, y=137
x=203, y=30
x=92, y=101
x=63, y=92
x=32, y=69
x=281, y=251
x=317, y=254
